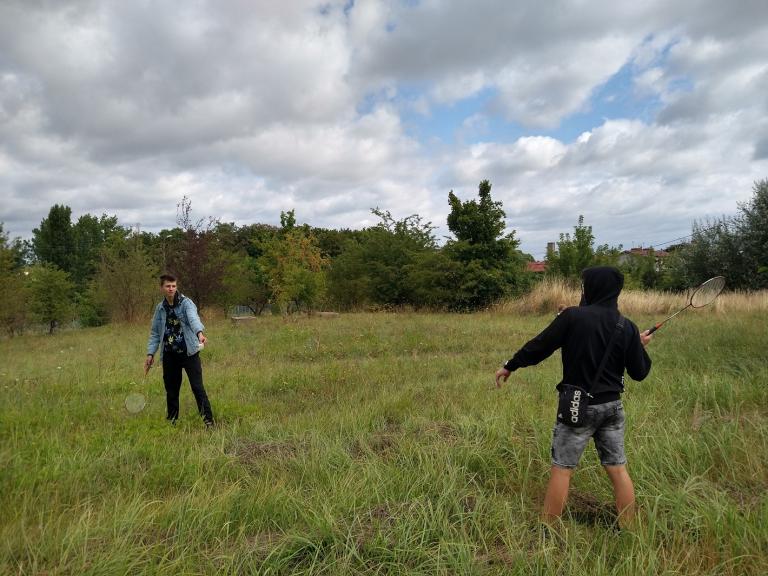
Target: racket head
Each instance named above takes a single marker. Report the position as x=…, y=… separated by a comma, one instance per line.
x=705, y=294
x=135, y=402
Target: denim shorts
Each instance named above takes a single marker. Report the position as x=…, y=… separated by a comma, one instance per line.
x=605, y=423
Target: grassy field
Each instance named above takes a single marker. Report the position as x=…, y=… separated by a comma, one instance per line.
x=375, y=443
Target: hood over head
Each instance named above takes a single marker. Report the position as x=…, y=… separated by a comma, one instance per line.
x=602, y=285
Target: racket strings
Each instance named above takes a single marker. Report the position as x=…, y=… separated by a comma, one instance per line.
x=135, y=402
x=707, y=292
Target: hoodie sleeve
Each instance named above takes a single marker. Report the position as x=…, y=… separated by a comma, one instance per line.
x=636, y=359
x=542, y=346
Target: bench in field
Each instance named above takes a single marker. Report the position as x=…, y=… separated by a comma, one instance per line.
x=242, y=319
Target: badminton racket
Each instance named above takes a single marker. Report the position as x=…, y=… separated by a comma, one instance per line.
x=136, y=401
x=702, y=296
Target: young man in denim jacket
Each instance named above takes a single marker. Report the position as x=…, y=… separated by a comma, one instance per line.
x=583, y=333
x=178, y=332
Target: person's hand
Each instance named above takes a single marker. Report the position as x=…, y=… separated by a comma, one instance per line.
x=148, y=361
x=201, y=338
x=501, y=376
x=645, y=337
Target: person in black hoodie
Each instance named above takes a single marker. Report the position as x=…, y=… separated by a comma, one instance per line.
x=583, y=333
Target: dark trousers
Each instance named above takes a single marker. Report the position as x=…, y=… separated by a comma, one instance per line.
x=172, y=366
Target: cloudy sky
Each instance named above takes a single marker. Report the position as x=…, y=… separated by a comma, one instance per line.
x=642, y=116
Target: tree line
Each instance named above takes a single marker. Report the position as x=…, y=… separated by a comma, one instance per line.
x=95, y=270
x=732, y=246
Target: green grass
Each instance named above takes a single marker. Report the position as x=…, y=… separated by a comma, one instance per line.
x=374, y=444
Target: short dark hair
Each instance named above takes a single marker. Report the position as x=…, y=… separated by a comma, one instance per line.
x=167, y=277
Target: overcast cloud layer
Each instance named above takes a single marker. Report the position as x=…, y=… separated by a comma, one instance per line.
x=641, y=118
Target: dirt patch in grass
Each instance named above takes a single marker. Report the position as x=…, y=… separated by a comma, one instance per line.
x=586, y=509
x=252, y=452
x=747, y=496
x=498, y=554
x=379, y=520
x=468, y=503
x=263, y=542
x=752, y=418
x=382, y=444
x=447, y=431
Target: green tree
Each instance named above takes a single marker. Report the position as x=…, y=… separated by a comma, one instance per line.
x=432, y=278
x=574, y=253
x=52, y=295
x=13, y=290
x=250, y=239
x=372, y=268
x=476, y=222
x=125, y=283
x=349, y=276
x=164, y=246
x=89, y=235
x=288, y=220
x=54, y=242
x=332, y=242
x=295, y=269
x=490, y=266
x=196, y=258
x=715, y=249
x=735, y=247
x=642, y=270
x=674, y=273
x=246, y=283
x=752, y=226
x=577, y=252
x=14, y=252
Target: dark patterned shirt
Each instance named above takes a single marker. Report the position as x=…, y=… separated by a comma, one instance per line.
x=173, y=339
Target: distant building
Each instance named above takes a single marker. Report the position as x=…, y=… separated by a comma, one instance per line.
x=659, y=256
x=627, y=255
x=538, y=267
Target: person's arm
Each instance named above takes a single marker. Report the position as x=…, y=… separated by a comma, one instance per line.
x=155, y=336
x=194, y=321
x=537, y=349
x=636, y=359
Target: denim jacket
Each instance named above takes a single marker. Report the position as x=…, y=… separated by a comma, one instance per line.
x=186, y=312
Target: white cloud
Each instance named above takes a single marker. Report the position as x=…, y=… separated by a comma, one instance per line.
x=541, y=91
x=635, y=183
x=455, y=89
x=250, y=108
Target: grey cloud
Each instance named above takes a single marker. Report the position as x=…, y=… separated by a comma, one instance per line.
x=686, y=108
x=432, y=39
x=761, y=149
x=250, y=108
x=158, y=81
x=544, y=59
x=524, y=51
x=720, y=19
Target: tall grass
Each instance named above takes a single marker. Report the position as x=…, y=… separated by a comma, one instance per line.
x=375, y=444
x=553, y=293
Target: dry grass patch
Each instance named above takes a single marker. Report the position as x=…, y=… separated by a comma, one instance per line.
x=253, y=453
x=552, y=294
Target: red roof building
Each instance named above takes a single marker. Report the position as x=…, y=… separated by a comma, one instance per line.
x=537, y=267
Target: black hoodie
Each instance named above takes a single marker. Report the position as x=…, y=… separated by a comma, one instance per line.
x=583, y=333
